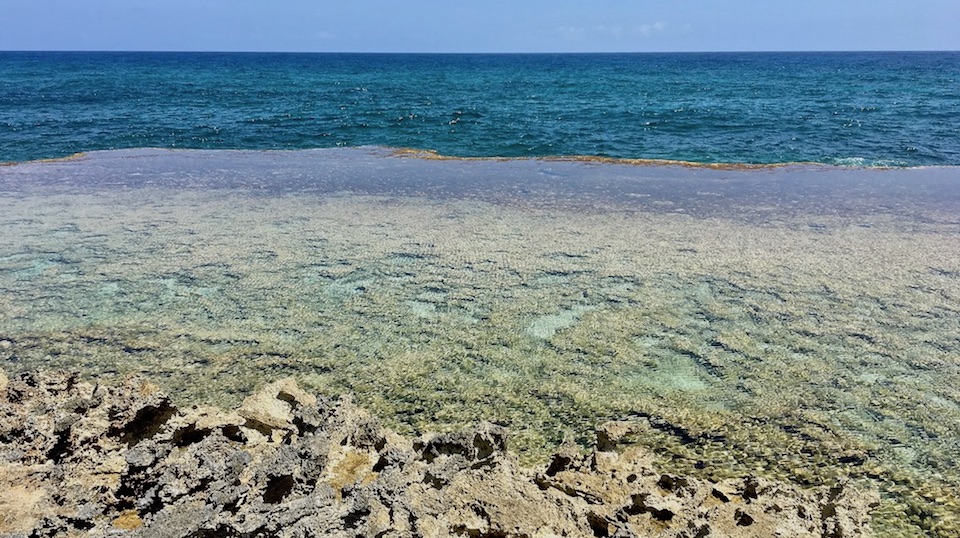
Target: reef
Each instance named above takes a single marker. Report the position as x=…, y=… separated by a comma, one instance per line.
x=84, y=458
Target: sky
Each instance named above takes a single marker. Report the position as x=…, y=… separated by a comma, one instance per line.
x=479, y=25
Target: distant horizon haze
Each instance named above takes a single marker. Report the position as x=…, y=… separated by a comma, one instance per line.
x=478, y=53
x=494, y=26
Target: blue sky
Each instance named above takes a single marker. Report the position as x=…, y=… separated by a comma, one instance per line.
x=479, y=26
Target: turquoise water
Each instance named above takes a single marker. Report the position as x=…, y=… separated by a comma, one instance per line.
x=800, y=323
x=900, y=109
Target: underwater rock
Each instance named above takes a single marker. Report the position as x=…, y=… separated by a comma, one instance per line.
x=84, y=459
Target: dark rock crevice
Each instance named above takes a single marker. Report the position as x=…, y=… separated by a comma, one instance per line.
x=129, y=462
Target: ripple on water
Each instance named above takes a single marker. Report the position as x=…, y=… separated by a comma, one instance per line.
x=748, y=341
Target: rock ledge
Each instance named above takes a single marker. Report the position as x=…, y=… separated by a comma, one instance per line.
x=84, y=459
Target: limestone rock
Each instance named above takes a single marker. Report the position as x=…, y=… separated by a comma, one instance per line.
x=82, y=459
x=273, y=406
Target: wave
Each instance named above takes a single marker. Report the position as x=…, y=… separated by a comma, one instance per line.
x=429, y=154
x=844, y=162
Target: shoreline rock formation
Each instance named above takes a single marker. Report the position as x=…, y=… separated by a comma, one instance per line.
x=78, y=458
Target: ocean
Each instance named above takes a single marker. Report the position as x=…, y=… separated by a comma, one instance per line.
x=754, y=257
x=888, y=109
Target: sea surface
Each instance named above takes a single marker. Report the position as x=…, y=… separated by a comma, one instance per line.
x=896, y=109
x=755, y=257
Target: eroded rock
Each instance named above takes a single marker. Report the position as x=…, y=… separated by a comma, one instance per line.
x=83, y=459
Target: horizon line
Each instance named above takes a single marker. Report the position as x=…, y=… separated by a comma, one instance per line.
x=730, y=51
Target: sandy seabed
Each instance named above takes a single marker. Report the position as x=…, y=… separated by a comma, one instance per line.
x=790, y=323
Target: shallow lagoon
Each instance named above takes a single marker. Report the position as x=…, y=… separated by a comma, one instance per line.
x=801, y=322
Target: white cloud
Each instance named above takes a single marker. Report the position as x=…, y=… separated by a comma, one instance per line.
x=578, y=33
x=647, y=30
x=571, y=33
x=615, y=31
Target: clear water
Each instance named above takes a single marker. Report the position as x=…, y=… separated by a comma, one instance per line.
x=900, y=109
x=801, y=323
x=798, y=322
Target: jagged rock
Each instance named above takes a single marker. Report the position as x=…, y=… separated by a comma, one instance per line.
x=273, y=407
x=81, y=459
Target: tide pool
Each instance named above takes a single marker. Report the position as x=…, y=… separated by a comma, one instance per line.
x=800, y=322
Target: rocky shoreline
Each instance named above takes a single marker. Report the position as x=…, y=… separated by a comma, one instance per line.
x=79, y=458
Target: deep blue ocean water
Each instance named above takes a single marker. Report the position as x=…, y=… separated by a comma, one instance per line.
x=900, y=109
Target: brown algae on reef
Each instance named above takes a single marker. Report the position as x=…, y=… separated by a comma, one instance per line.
x=71, y=157
x=800, y=323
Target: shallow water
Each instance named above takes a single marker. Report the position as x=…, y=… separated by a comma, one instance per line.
x=801, y=322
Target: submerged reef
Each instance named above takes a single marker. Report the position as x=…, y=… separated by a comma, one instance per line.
x=80, y=458
x=798, y=324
